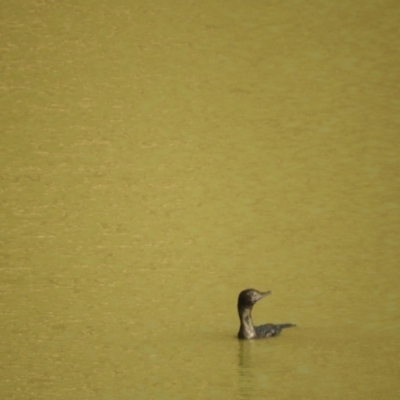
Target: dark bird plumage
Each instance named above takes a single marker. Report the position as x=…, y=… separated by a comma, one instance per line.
x=247, y=299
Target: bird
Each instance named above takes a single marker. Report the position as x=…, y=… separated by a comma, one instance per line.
x=247, y=299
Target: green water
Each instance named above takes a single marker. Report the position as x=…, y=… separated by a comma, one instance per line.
x=158, y=158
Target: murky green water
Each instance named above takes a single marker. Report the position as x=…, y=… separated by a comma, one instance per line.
x=158, y=158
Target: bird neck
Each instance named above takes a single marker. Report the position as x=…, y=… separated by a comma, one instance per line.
x=246, y=330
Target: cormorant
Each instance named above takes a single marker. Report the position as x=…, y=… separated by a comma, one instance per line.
x=247, y=299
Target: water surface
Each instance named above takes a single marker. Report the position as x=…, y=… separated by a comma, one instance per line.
x=156, y=159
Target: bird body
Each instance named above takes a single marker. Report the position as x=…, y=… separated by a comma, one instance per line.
x=247, y=299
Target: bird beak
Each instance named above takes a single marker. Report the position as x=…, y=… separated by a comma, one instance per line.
x=263, y=294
